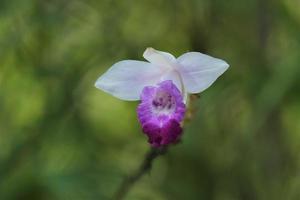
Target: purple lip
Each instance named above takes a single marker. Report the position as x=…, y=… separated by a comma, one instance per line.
x=160, y=112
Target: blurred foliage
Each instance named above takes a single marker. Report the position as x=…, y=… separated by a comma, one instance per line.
x=61, y=138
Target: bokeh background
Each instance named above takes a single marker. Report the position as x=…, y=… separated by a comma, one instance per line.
x=62, y=139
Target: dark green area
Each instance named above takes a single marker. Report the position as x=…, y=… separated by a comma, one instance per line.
x=62, y=139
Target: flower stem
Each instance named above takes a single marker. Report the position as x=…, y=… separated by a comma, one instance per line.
x=145, y=167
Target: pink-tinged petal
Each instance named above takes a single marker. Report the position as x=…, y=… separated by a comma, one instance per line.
x=199, y=71
x=126, y=79
x=175, y=77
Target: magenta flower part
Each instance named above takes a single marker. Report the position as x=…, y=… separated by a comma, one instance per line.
x=160, y=112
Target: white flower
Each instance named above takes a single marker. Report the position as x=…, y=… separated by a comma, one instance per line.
x=192, y=73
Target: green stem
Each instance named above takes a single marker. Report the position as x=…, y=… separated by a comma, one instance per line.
x=144, y=168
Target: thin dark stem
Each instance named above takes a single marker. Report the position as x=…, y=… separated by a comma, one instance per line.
x=145, y=167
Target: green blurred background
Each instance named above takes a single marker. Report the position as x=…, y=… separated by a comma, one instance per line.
x=61, y=138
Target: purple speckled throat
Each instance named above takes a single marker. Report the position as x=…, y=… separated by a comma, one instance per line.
x=160, y=112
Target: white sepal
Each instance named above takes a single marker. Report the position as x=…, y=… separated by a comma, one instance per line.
x=199, y=71
x=126, y=79
x=160, y=58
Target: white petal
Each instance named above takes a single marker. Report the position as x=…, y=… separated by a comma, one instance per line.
x=174, y=77
x=159, y=58
x=199, y=71
x=177, y=80
x=126, y=79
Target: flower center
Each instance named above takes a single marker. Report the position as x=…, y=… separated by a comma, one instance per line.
x=163, y=103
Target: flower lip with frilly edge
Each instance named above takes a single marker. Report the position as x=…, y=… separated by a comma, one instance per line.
x=160, y=112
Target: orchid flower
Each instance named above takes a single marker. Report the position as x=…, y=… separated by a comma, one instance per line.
x=162, y=85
